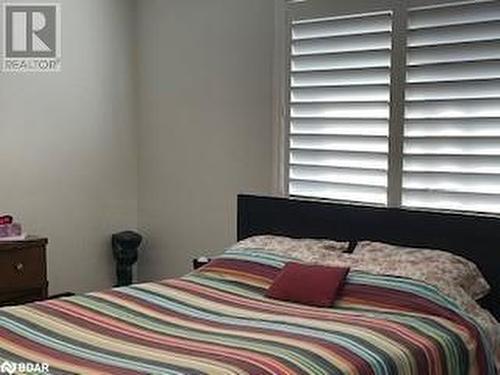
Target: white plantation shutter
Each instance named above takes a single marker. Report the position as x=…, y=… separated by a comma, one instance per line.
x=439, y=148
x=452, y=115
x=339, y=108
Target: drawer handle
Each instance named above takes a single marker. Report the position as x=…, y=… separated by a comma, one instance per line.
x=19, y=267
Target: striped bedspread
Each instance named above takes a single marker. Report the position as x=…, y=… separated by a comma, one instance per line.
x=217, y=321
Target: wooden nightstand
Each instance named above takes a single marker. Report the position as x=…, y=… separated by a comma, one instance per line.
x=23, y=271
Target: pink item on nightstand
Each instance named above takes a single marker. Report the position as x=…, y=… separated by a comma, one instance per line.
x=11, y=230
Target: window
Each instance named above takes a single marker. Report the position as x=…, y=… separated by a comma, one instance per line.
x=344, y=142
x=452, y=118
x=339, y=108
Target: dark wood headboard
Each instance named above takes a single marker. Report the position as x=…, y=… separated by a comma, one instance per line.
x=476, y=238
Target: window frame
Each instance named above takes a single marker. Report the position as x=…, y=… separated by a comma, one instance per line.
x=291, y=10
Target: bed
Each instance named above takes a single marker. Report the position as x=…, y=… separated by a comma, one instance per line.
x=217, y=320
x=474, y=237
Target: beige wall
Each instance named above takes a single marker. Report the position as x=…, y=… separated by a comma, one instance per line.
x=68, y=151
x=195, y=121
x=206, y=123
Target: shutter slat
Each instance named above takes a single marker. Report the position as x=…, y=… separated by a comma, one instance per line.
x=462, y=108
x=473, y=127
x=454, y=15
x=455, y=71
x=474, y=32
x=453, y=182
x=344, y=192
x=370, y=177
x=340, y=61
x=365, y=93
x=350, y=43
x=339, y=159
x=452, y=201
x=454, y=53
x=361, y=169
x=452, y=163
x=341, y=110
x=452, y=146
x=348, y=77
x=336, y=27
x=339, y=127
x=339, y=143
x=452, y=126
x=465, y=89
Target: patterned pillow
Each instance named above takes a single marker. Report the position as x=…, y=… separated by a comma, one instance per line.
x=305, y=249
x=434, y=266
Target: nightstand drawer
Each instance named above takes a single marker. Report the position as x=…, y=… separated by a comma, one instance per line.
x=22, y=269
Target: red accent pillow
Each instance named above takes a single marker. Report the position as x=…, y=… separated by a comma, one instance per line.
x=312, y=285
